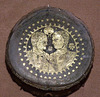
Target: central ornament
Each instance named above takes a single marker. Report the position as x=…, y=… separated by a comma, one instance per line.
x=49, y=53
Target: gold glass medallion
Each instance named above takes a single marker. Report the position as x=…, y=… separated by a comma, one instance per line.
x=50, y=49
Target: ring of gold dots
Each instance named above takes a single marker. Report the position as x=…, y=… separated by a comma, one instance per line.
x=59, y=26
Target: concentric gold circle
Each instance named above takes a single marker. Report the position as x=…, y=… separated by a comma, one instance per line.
x=55, y=62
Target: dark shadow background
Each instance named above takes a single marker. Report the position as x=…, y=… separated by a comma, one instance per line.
x=87, y=10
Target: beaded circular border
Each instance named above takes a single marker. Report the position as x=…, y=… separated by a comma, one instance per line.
x=59, y=26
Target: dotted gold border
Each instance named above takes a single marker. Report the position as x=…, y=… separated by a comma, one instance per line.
x=59, y=26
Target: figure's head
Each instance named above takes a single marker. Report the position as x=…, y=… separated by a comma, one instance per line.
x=60, y=39
x=39, y=40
